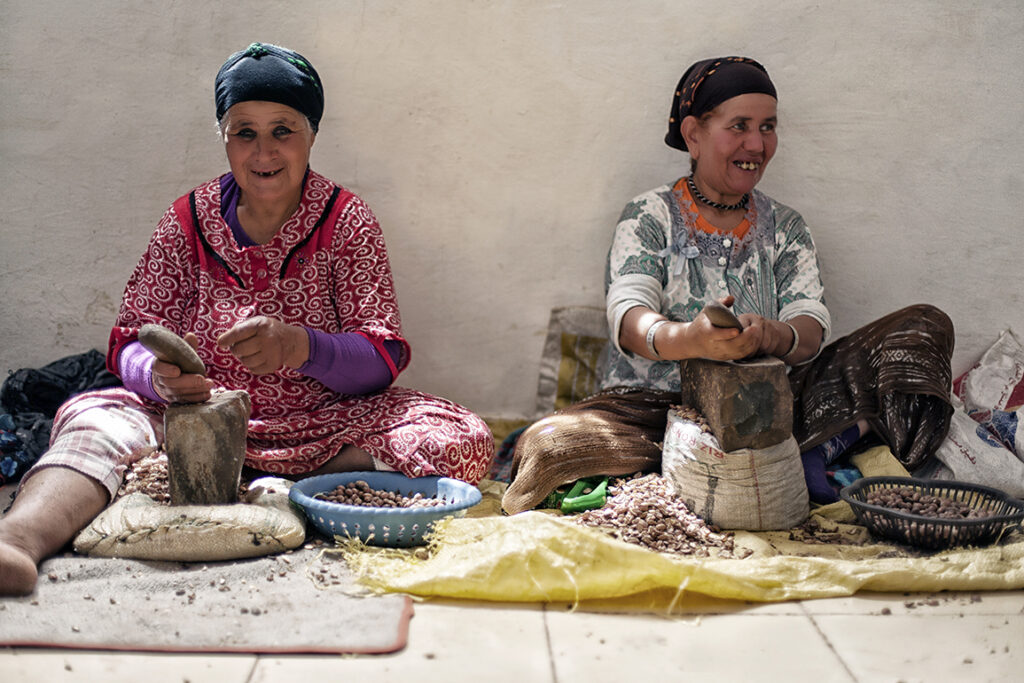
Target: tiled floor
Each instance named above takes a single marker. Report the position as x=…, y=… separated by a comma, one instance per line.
x=872, y=637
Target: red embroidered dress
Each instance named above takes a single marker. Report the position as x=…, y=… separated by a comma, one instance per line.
x=327, y=269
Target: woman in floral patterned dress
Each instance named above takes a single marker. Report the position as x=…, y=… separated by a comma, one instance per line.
x=280, y=280
x=711, y=236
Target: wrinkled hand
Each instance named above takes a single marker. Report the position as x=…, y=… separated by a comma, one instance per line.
x=726, y=343
x=265, y=345
x=176, y=387
x=775, y=337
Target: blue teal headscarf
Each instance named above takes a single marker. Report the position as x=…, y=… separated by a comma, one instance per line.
x=272, y=74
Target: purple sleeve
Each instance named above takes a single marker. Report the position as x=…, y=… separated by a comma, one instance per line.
x=348, y=362
x=136, y=369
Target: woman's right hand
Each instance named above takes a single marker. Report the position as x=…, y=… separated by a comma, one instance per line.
x=696, y=339
x=174, y=386
x=702, y=339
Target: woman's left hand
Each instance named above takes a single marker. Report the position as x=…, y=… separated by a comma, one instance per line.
x=771, y=335
x=775, y=338
x=265, y=345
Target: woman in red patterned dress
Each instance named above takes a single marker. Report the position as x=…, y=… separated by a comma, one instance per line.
x=280, y=280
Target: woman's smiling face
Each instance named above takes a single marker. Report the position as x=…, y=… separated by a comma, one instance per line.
x=733, y=145
x=268, y=146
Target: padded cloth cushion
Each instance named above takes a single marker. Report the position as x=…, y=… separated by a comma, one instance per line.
x=138, y=527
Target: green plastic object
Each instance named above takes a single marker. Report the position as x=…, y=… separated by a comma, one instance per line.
x=589, y=493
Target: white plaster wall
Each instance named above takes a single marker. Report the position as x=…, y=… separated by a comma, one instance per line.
x=497, y=142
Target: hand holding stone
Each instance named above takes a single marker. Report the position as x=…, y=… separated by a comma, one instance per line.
x=178, y=372
x=721, y=316
x=712, y=334
x=171, y=348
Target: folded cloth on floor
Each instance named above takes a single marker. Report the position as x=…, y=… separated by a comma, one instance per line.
x=543, y=556
x=301, y=601
x=280, y=604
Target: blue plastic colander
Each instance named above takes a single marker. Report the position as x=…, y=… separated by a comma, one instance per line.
x=393, y=527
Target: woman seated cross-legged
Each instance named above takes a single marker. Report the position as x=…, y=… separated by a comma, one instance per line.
x=712, y=236
x=280, y=279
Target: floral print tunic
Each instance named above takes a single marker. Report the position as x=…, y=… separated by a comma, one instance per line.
x=327, y=268
x=662, y=259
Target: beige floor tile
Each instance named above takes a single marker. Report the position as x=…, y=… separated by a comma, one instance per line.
x=702, y=648
x=953, y=603
x=54, y=666
x=448, y=641
x=932, y=647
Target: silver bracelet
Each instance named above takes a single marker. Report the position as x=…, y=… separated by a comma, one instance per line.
x=796, y=342
x=651, y=331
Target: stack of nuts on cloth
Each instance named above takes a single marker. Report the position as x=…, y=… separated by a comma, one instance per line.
x=642, y=511
x=150, y=476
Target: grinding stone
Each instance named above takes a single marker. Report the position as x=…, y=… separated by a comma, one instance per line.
x=170, y=348
x=720, y=316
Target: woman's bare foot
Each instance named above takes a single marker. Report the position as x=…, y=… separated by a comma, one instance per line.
x=18, y=573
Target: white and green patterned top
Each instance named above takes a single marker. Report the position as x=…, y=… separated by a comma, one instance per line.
x=659, y=258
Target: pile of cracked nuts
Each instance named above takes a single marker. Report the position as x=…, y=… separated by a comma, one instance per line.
x=916, y=502
x=642, y=511
x=148, y=476
x=362, y=494
x=693, y=415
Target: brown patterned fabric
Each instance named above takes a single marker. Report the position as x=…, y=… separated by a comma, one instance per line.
x=894, y=372
x=612, y=433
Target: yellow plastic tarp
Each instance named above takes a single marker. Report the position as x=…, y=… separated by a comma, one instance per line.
x=543, y=557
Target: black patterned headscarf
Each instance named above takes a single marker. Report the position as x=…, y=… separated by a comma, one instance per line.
x=707, y=84
x=272, y=74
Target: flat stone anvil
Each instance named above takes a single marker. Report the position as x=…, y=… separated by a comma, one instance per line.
x=205, y=442
x=747, y=404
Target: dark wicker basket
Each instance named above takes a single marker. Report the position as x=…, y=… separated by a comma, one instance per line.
x=931, y=532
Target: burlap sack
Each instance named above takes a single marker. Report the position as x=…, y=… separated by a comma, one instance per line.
x=138, y=527
x=750, y=489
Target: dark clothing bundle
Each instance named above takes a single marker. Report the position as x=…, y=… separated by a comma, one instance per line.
x=30, y=398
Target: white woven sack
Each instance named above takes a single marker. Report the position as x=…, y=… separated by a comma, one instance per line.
x=751, y=489
x=970, y=453
x=991, y=382
x=992, y=391
x=985, y=442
